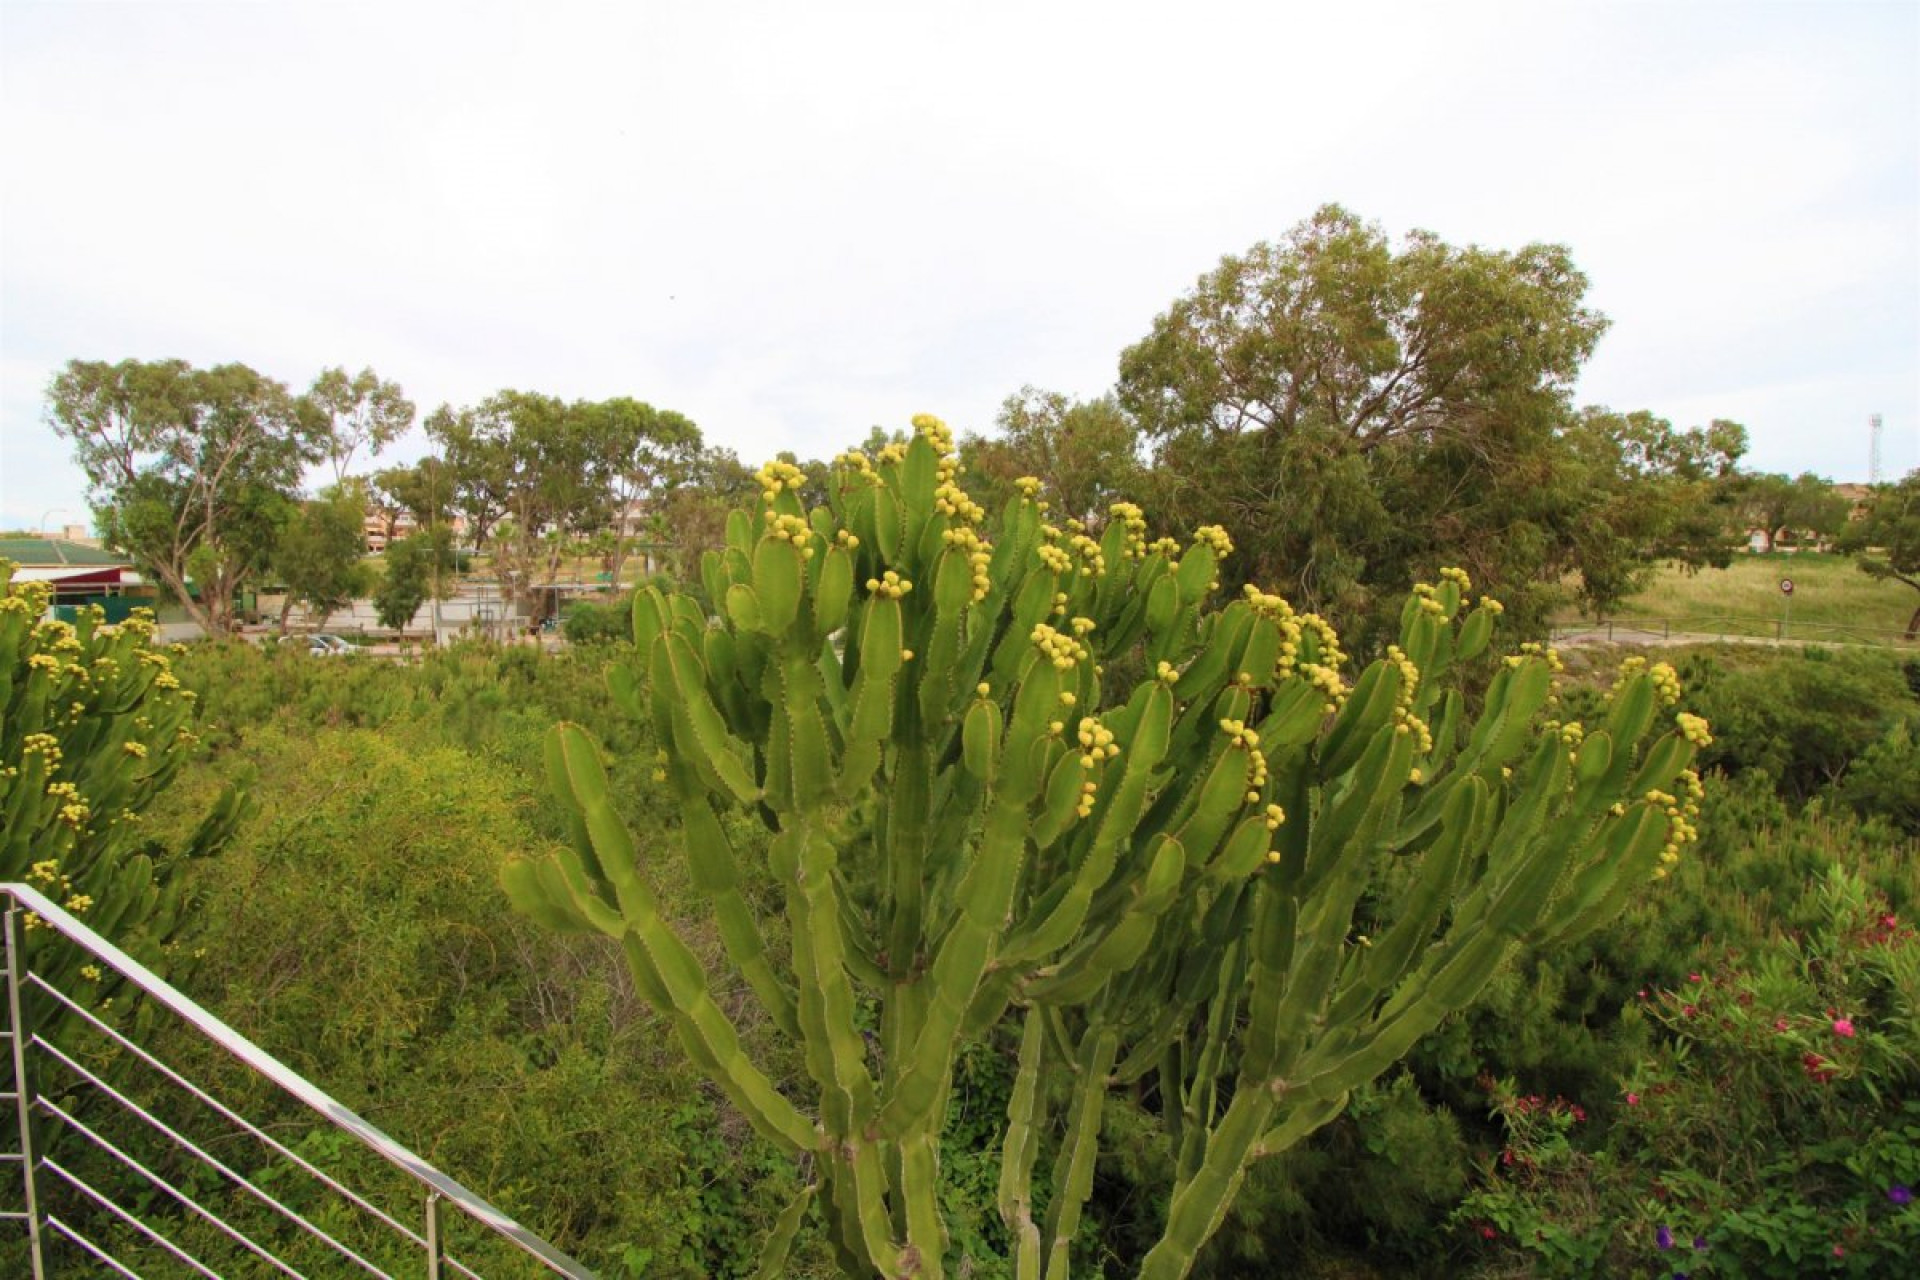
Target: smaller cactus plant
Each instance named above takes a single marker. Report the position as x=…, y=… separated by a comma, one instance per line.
x=1169, y=881
x=96, y=726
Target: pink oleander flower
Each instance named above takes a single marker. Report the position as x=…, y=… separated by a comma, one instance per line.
x=1633, y=1099
x=1843, y=1028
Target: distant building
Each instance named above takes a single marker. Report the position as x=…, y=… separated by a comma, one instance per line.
x=79, y=572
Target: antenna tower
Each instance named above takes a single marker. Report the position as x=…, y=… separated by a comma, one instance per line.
x=1873, y=448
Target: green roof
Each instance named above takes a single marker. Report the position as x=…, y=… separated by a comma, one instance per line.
x=43, y=553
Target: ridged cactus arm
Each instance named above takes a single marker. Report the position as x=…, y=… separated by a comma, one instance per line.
x=1088, y=966
x=713, y=872
x=1073, y=1164
x=1201, y=1202
x=666, y=966
x=909, y=809
x=1026, y=1116
x=710, y=1040
x=835, y=1052
x=779, y=1241
x=1199, y=1096
x=1419, y=909
x=1297, y=1122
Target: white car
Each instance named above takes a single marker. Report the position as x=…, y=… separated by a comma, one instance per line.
x=326, y=646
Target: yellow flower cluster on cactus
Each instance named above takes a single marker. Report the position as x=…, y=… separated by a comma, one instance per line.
x=791, y=529
x=1215, y=539
x=1134, y=521
x=858, y=464
x=1534, y=649
x=1096, y=743
x=1242, y=738
x=889, y=585
x=1680, y=811
x=778, y=477
x=979, y=557
x=1694, y=729
x=1666, y=681
x=1093, y=561
x=1064, y=651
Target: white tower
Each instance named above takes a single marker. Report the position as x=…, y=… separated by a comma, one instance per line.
x=1873, y=448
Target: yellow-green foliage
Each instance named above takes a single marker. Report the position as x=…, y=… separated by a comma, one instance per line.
x=353, y=928
x=95, y=727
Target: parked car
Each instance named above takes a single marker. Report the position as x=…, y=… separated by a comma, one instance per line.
x=326, y=646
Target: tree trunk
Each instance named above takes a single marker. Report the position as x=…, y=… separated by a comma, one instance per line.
x=615, y=562
x=286, y=611
x=176, y=582
x=1913, y=625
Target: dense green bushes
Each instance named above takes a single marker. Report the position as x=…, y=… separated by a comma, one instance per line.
x=356, y=930
x=354, y=926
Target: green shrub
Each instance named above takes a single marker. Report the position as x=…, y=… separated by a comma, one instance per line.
x=598, y=622
x=357, y=932
x=1774, y=1132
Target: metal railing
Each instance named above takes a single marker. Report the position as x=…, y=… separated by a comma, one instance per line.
x=89, y=1194
x=1728, y=628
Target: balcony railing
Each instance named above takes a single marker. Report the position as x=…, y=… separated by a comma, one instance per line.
x=126, y=1166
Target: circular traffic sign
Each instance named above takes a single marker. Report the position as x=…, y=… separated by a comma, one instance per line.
x=1786, y=586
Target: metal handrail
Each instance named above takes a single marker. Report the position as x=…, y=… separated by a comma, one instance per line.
x=440, y=1189
x=1727, y=626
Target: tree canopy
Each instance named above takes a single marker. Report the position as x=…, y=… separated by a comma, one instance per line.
x=318, y=554
x=356, y=412
x=1353, y=412
x=534, y=474
x=1886, y=538
x=191, y=471
x=1084, y=453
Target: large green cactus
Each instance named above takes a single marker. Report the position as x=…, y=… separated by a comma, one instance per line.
x=94, y=725
x=1234, y=884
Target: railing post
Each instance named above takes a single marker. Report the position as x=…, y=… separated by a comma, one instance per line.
x=436, y=1247
x=22, y=1105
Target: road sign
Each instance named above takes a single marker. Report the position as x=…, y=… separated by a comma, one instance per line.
x=1786, y=586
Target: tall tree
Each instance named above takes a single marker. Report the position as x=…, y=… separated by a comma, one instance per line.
x=1646, y=493
x=319, y=554
x=644, y=452
x=1886, y=539
x=356, y=412
x=530, y=476
x=1777, y=505
x=1084, y=453
x=691, y=517
x=424, y=491
x=191, y=471
x=1351, y=412
x=414, y=569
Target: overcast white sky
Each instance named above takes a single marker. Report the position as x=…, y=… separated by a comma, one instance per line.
x=794, y=221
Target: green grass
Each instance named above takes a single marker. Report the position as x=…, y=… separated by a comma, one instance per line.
x=1832, y=600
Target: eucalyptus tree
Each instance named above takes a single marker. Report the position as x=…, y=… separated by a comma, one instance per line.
x=361, y=411
x=1886, y=538
x=191, y=471
x=1351, y=411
